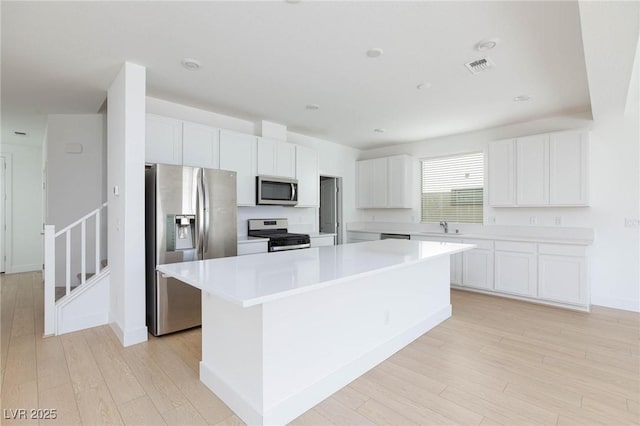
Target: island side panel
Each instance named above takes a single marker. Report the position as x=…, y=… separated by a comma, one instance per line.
x=315, y=343
x=231, y=363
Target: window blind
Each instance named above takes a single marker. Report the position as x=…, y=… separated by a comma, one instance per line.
x=452, y=188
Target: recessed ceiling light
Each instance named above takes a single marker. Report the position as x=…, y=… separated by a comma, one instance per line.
x=484, y=45
x=292, y=1
x=313, y=107
x=379, y=130
x=375, y=52
x=191, y=64
x=522, y=98
x=423, y=86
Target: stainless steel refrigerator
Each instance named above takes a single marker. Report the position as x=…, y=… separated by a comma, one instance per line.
x=191, y=214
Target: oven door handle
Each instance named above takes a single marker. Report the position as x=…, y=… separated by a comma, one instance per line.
x=292, y=247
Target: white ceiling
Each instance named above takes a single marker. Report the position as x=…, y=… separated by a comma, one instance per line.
x=267, y=60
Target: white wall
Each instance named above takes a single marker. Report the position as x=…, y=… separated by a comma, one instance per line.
x=75, y=183
x=125, y=180
x=334, y=160
x=23, y=239
x=614, y=195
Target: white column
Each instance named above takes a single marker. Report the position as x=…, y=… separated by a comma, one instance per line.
x=125, y=182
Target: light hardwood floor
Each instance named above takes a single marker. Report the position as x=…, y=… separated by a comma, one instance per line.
x=496, y=361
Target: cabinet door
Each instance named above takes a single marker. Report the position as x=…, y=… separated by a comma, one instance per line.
x=200, y=146
x=285, y=159
x=400, y=181
x=562, y=279
x=456, y=269
x=238, y=153
x=477, y=269
x=163, y=140
x=364, y=184
x=378, y=175
x=266, y=157
x=516, y=273
x=568, y=168
x=502, y=173
x=532, y=170
x=307, y=175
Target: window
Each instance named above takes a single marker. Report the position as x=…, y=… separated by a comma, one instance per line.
x=452, y=188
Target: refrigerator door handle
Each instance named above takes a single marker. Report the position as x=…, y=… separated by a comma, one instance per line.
x=207, y=213
x=200, y=215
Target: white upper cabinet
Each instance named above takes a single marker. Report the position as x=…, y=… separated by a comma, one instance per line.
x=306, y=161
x=532, y=171
x=543, y=170
x=163, y=141
x=502, y=173
x=238, y=153
x=385, y=182
x=200, y=146
x=276, y=158
x=400, y=181
x=568, y=168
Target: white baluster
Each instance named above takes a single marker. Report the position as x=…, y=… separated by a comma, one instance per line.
x=98, y=265
x=49, y=280
x=83, y=252
x=68, y=263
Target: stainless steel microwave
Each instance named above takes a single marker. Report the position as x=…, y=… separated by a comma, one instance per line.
x=276, y=191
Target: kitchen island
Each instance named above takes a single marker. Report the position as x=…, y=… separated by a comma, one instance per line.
x=283, y=331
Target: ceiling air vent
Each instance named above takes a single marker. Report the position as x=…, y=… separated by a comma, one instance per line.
x=479, y=65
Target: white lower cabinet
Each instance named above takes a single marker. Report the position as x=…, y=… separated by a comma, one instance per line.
x=516, y=271
x=477, y=267
x=562, y=274
x=322, y=240
x=253, y=247
x=359, y=236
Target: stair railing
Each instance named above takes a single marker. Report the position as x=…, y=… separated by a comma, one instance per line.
x=50, y=236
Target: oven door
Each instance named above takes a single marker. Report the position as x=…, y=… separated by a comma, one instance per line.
x=276, y=191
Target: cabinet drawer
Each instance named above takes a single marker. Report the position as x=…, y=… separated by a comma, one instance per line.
x=516, y=246
x=480, y=244
x=252, y=248
x=562, y=250
x=363, y=236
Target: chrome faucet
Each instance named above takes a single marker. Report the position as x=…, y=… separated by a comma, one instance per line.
x=445, y=226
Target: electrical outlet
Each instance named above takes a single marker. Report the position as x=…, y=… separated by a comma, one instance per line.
x=631, y=222
x=492, y=220
x=558, y=220
x=533, y=220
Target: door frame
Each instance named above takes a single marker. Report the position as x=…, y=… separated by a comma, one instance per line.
x=6, y=237
x=339, y=223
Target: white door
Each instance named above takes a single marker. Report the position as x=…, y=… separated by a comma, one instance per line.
x=3, y=194
x=328, y=205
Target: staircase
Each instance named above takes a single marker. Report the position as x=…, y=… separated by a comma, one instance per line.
x=81, y=298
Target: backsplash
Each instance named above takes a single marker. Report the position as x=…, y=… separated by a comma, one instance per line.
x=301, y=219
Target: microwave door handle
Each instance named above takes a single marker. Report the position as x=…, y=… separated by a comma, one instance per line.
x=293, y=191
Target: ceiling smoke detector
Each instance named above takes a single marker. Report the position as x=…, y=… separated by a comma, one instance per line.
x=484, y=45
x=375, y=52
x=191, y=64
x=313, y=107
x=479, y=65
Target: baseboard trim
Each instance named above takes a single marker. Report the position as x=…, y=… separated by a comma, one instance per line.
x=616, y=303
x=131, y=337
x=293, y=407
x=22, y=268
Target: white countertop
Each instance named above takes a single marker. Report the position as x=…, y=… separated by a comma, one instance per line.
x=477, y=236
x=259, y=278
x=244, y=239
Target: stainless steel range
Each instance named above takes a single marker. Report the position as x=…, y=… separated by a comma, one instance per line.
x=279, y=237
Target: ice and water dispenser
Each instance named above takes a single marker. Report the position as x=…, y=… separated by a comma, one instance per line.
x=181, y=232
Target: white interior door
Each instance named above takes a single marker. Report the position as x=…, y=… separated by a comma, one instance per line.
x=328, y=206
x=3, y=203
